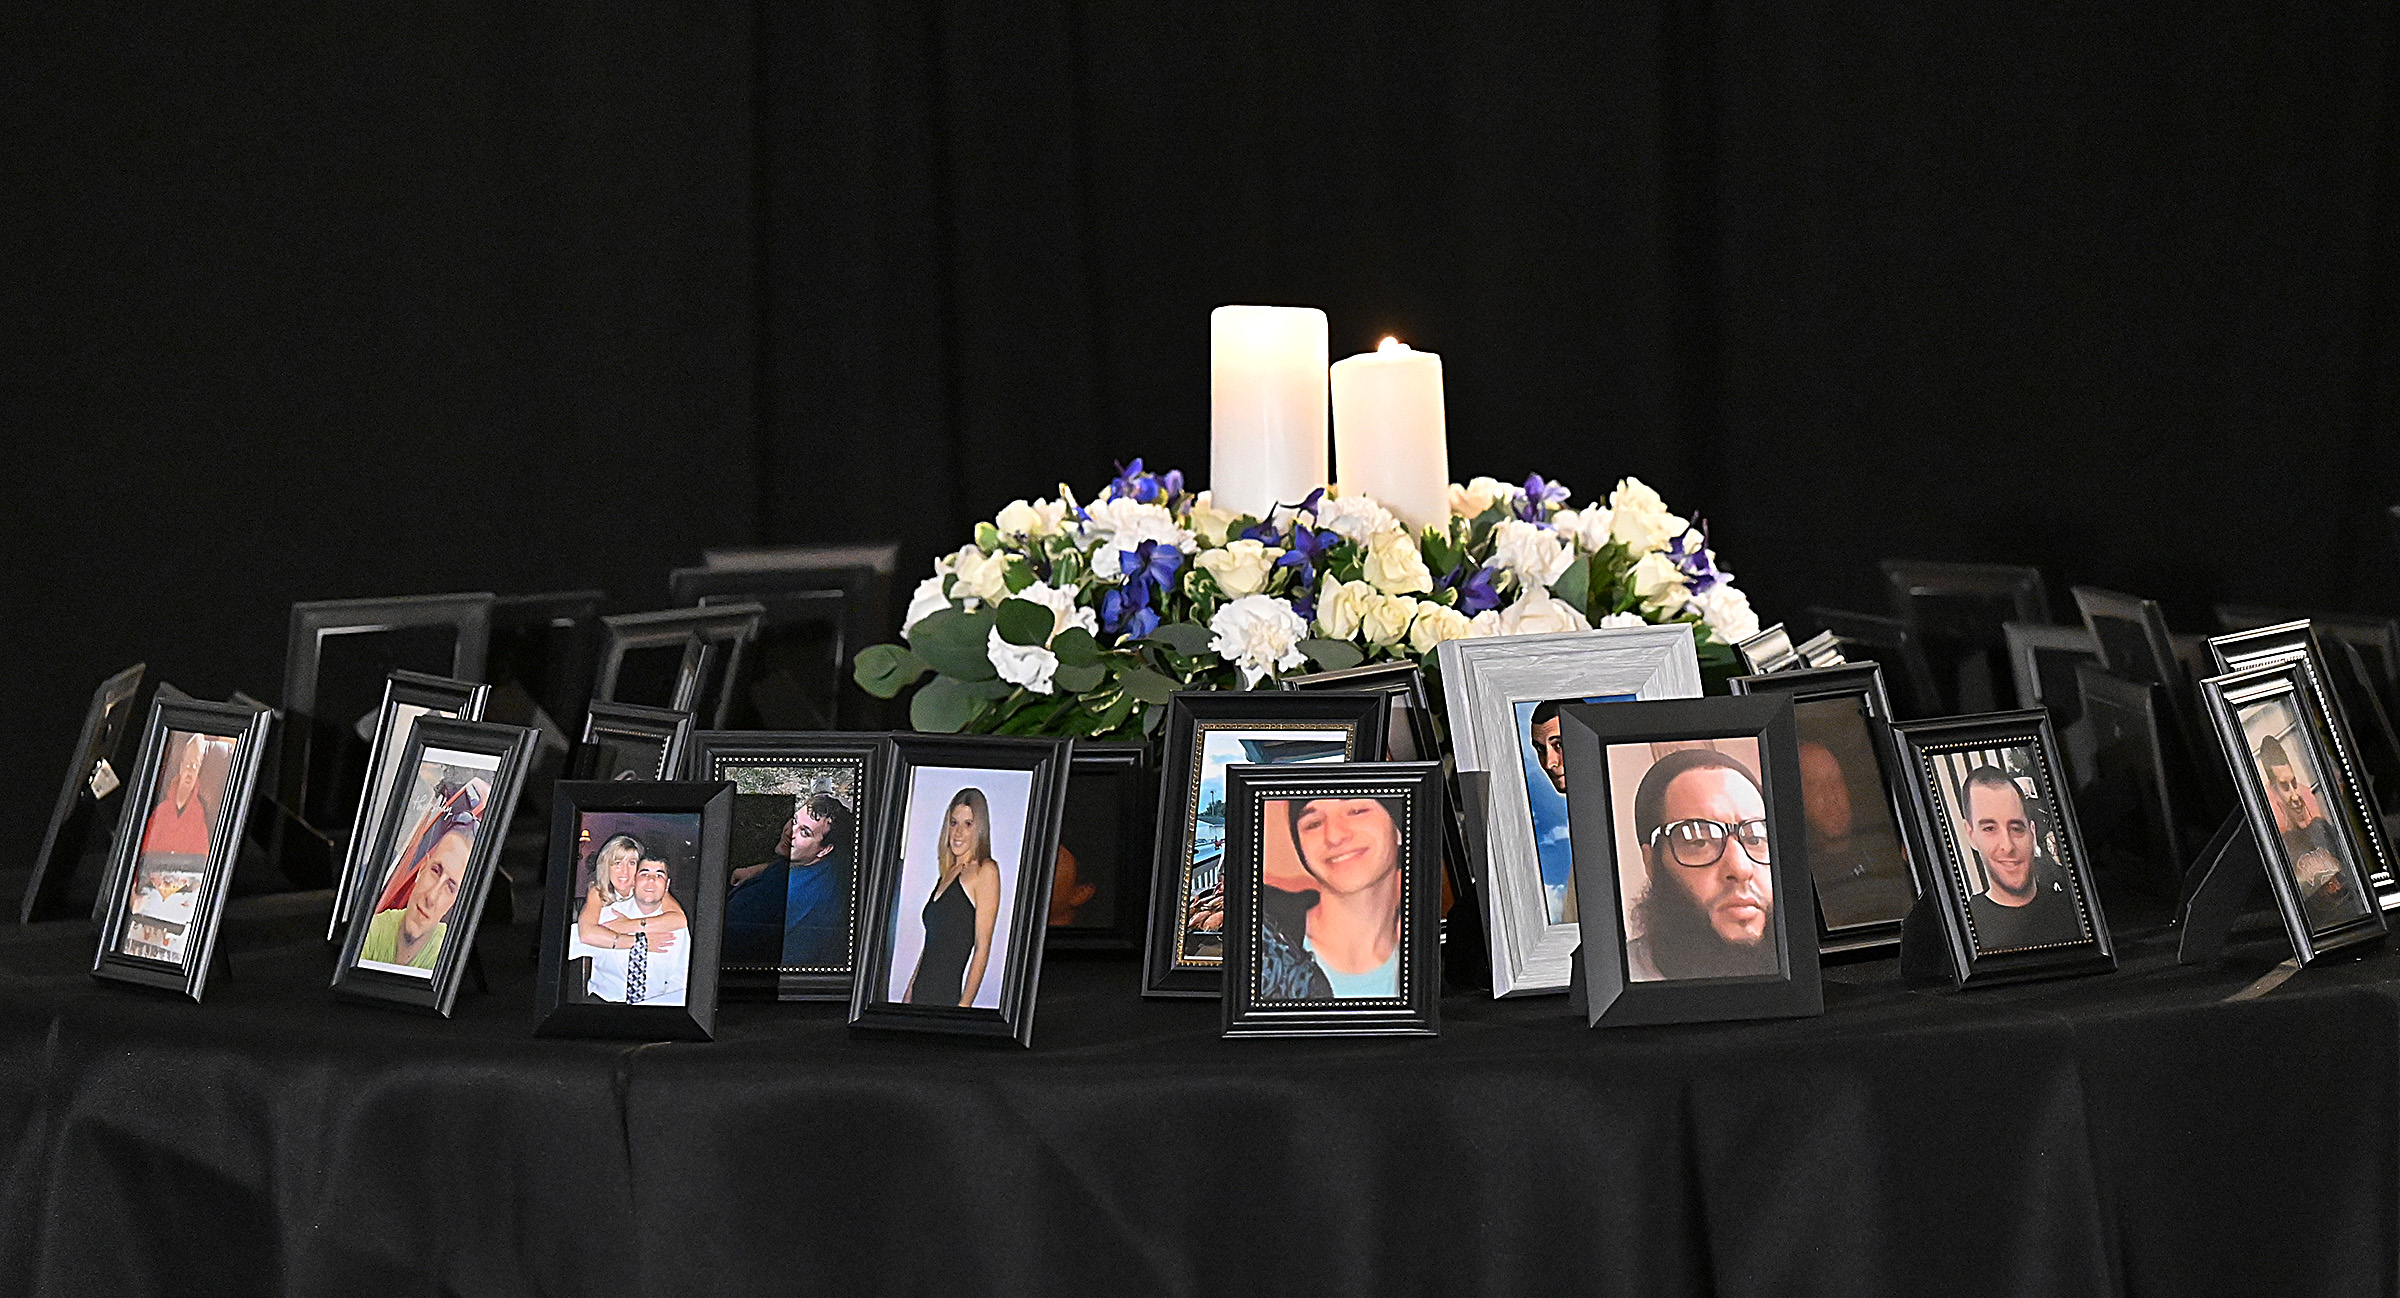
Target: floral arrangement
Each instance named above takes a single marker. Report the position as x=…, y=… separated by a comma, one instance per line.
x=1072, y=619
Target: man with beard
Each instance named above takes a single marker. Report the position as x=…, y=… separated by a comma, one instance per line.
x=1710, y=908
x=2023, y=907
x=2308, y=840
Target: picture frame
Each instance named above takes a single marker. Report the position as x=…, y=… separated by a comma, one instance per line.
x=674, y=835
x=2041, y=665
x=407, y=695
x=796, y=670
x=1183, y=951
x=314, y=738
x=1493, y=687
x=2376, y=638
x=1939, y=759
x=1280, y=978
x=414, y=916
x=2276, y=734
x=708, y=645
x=1669, y=939
x=2241, y=651
x=2139, y=784
x=630, y=741
x=1957, y=610
x=1027, y=782
x=543, y=652
x=772, y=774
x=162, y=900
x=1872, y=637
x=1108, y=835
x=1771, y=650
x=1842, y=719
x=93, y=778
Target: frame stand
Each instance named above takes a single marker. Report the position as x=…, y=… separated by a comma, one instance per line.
x=475, y=978
x=2218, y=890
x=1924, y=954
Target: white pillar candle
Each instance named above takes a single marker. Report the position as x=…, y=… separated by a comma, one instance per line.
x=1391, y=440
x=1266, y=406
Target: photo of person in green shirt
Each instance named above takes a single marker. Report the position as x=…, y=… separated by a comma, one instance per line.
x=411, y=915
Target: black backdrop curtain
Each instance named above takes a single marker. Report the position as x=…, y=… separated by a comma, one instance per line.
x=383, y=301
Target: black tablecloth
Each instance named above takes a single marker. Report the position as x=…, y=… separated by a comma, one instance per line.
x=2127, y=1134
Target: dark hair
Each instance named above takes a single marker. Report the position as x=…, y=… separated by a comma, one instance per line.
x=1544, y=713
x=828, y=808
x=1989, y=777
x=1650, y=800
x=2271, y=752
x=1292, y=823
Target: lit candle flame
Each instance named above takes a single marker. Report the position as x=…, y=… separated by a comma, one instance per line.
x=1390, y=345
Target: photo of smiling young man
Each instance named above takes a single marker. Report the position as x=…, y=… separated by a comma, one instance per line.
x=1695, y=860
x=2023, y=902
x=1329, y=905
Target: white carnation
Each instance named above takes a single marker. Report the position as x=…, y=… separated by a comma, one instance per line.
x=1618, y=621
x=1259, y=634
x=1589, y=528
x=1122, y=524
x=928, y=601
x=1032, y=666
x=1536, y=614
x=1356, y=518
x=1533, y=554
x=1727, y=612
x=1639, y=518
x=1485, y=623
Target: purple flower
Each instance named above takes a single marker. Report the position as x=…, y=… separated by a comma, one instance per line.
x=1699, y=570
x=1478, y=588
x=1538, y=493
x=1171, y=482
x=1308, y=548
x=1152, y=563
x=1131, y=481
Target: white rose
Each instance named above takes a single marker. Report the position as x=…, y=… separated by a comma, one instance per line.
x=1259, y=634
x=1659, y=582
x=1241, y=567
x=1210, y=523
x=1727, y=612
x=1029, y=665
x=981, y=577
x=1589, y=528
x=1037, y=518
x=1618, y=621
x=1123, y=524
x=1395, y=567
x=1480, y=495
x=1640, y=520
x=1388, y=619
x=1436, y=623
x=1535, y=614
x=1355, y=518
x=1533, y=554
x=1485, y=623
x=1342, y=607
x=928, y=601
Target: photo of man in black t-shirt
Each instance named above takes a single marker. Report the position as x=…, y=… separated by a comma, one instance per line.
x=2026, y=903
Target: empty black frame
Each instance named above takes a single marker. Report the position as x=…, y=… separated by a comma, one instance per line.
x=246, y=731
x=1108, y=785
x=99, y=739
x=1045, y=762
x=1958, y=610
x=712, y=640
x=1182, y=863
x=733, y=756
x=511, y=750
x=2028, y=643
x=2286, y=682
x=694, y=1020
x=1415, y=1007
x=439, y=696
x=1860, y=684
x=1608, y=989
x=542, y=653
x=667, y=728
x=2142, y=787
x=1968, y=963
x=794, y=599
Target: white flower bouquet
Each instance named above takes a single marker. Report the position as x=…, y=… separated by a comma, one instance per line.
x=1071, y=619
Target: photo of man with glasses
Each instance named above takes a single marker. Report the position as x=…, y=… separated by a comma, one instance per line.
x=1700, y=830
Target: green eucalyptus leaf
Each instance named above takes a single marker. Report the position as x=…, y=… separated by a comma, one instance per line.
x=1331, y=655
x=947, y=705
x=1149, y=686
x=1575, y=584
x=1186, y=638
x=1078, y=678
x=884, y=670
x=1018, y=575
x=1023, y=622
x=956, y=644
x=1075, y=647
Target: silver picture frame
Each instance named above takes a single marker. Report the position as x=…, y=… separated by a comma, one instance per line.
x=1483, y=681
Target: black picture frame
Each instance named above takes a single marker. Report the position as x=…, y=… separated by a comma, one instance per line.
x=1872, y=637
x=2358, y=749
x=2377, y=639
x=1609, y=987
x=557, y=1012
x=2139, y=783
x=1112, y=796
x=1174, y=964
x=731, y=756
x=711, y=641
x=247, y=730
x=796, y=670
x=1045, y=762
x=1922, y=747
x=440, y=696
x=615, y=733
x=542, y=653
x=303, y=784
x=511, y=750
x=88, y=787
x=2041, y=661
x=1250, y=1009
x=2351, y=845
x=1958, y=610
x=1861, y=686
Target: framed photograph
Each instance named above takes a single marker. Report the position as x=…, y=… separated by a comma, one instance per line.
x=1505, y=694
x=1207, y=731
x=2362, y=742
x=406, y=697
x=337, y=656
x=430, y=864
x=2278, y=737
x=958, y=894
x=92, y=779
x=1332, y=883
x=187, y=800
x=687, y=659
x=804, y=809
x=1689, y=848
x=1100, y=891
x=635, y=910
x=1856, y=853
x=628, y=741
x=1989, y=815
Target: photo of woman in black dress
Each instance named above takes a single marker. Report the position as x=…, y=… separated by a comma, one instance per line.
x=960, y=913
